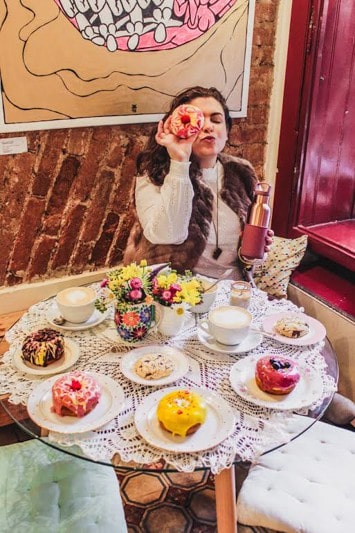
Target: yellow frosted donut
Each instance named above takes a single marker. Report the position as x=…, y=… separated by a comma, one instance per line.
x=186, y=120
x=181, y=412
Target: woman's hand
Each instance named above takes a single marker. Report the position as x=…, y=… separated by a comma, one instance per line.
x=178, y=149
x=268, y=240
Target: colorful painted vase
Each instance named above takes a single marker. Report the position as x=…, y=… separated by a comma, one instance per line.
x=133, y=321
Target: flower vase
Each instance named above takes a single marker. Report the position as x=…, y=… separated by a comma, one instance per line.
x=133, y=321
x=170, y=321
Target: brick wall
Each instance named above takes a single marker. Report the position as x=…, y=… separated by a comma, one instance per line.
x=65, y=204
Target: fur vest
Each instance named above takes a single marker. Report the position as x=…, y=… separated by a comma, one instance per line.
x=237, y=192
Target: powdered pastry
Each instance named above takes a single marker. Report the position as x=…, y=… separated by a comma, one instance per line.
x=291, y=326
x=43, y=347
x=75, y=394
x=154, y=366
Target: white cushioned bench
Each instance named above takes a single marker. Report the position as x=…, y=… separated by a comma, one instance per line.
x=306, y=486
x=43, y=490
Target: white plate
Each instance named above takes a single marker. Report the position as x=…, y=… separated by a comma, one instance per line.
x=316, y=333
x=250, y=342
x=218, y=426
x=71, y=355
x=308, y=390
x=96, y=318
x=40, y=403
x=180, y=360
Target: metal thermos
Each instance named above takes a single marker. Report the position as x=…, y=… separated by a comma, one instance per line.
x=253, y=238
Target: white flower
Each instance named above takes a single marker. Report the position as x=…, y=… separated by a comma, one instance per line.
x=180, y=308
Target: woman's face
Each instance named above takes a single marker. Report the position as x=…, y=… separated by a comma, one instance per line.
x=213, y=136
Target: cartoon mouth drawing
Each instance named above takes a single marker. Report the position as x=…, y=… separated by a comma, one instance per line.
x=143, y=25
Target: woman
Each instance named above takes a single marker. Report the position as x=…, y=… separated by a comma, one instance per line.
x=192, y=200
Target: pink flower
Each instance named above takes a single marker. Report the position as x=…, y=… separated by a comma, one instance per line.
x=166, y=295
x=135, y=283
x=175, y=287
x=104, y=283
x=136, y=294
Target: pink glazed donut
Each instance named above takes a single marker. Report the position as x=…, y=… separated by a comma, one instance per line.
x=75, y=394
x=276, y=375
x=186, y=120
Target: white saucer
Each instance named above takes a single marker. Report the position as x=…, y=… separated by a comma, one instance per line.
x=250, y=342
x=94, y=320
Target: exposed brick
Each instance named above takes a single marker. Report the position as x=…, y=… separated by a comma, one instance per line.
x=69, y=236
x=63, y=183
x=82, y=256
x=266, y=10
x=6, y=244
x=28, y=231
x=39, y=263
x=48, y=162
x=115, y=156
x=103, y=244
x=98, y=206
x=78, y=141
x=91, y=163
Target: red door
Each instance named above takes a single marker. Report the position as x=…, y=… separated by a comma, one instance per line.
x=315, y=189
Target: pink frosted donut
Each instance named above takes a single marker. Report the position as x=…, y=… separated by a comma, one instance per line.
x=276, y=375
x=75, y=394
x=186, y=120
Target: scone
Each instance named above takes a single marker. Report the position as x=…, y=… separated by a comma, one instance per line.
x=154, y=366
x=291, y=326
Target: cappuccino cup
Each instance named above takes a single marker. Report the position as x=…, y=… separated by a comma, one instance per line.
x=76, y=304
x=228, y=324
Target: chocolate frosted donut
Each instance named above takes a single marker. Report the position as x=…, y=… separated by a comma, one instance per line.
x=43, y=347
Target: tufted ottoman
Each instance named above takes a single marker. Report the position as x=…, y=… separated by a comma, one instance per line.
x=43, y=490
x=306, y=486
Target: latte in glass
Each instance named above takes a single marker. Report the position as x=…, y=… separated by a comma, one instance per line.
x=76, y=304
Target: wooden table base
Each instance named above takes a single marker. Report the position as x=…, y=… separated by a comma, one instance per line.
x=226, y=501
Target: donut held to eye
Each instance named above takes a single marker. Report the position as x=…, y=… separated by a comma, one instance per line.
x=186, y=120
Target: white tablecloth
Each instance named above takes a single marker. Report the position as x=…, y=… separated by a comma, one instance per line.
x=256, y=430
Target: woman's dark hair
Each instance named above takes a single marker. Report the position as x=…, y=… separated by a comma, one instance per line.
x=154, y=160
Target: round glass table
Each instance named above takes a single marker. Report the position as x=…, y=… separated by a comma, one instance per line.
x=242, y=426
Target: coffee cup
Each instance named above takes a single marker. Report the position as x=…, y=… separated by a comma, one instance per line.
x=208, y=297
x=228, y=324
x=76, y=304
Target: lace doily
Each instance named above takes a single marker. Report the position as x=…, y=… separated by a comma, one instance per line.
x=256, y=430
